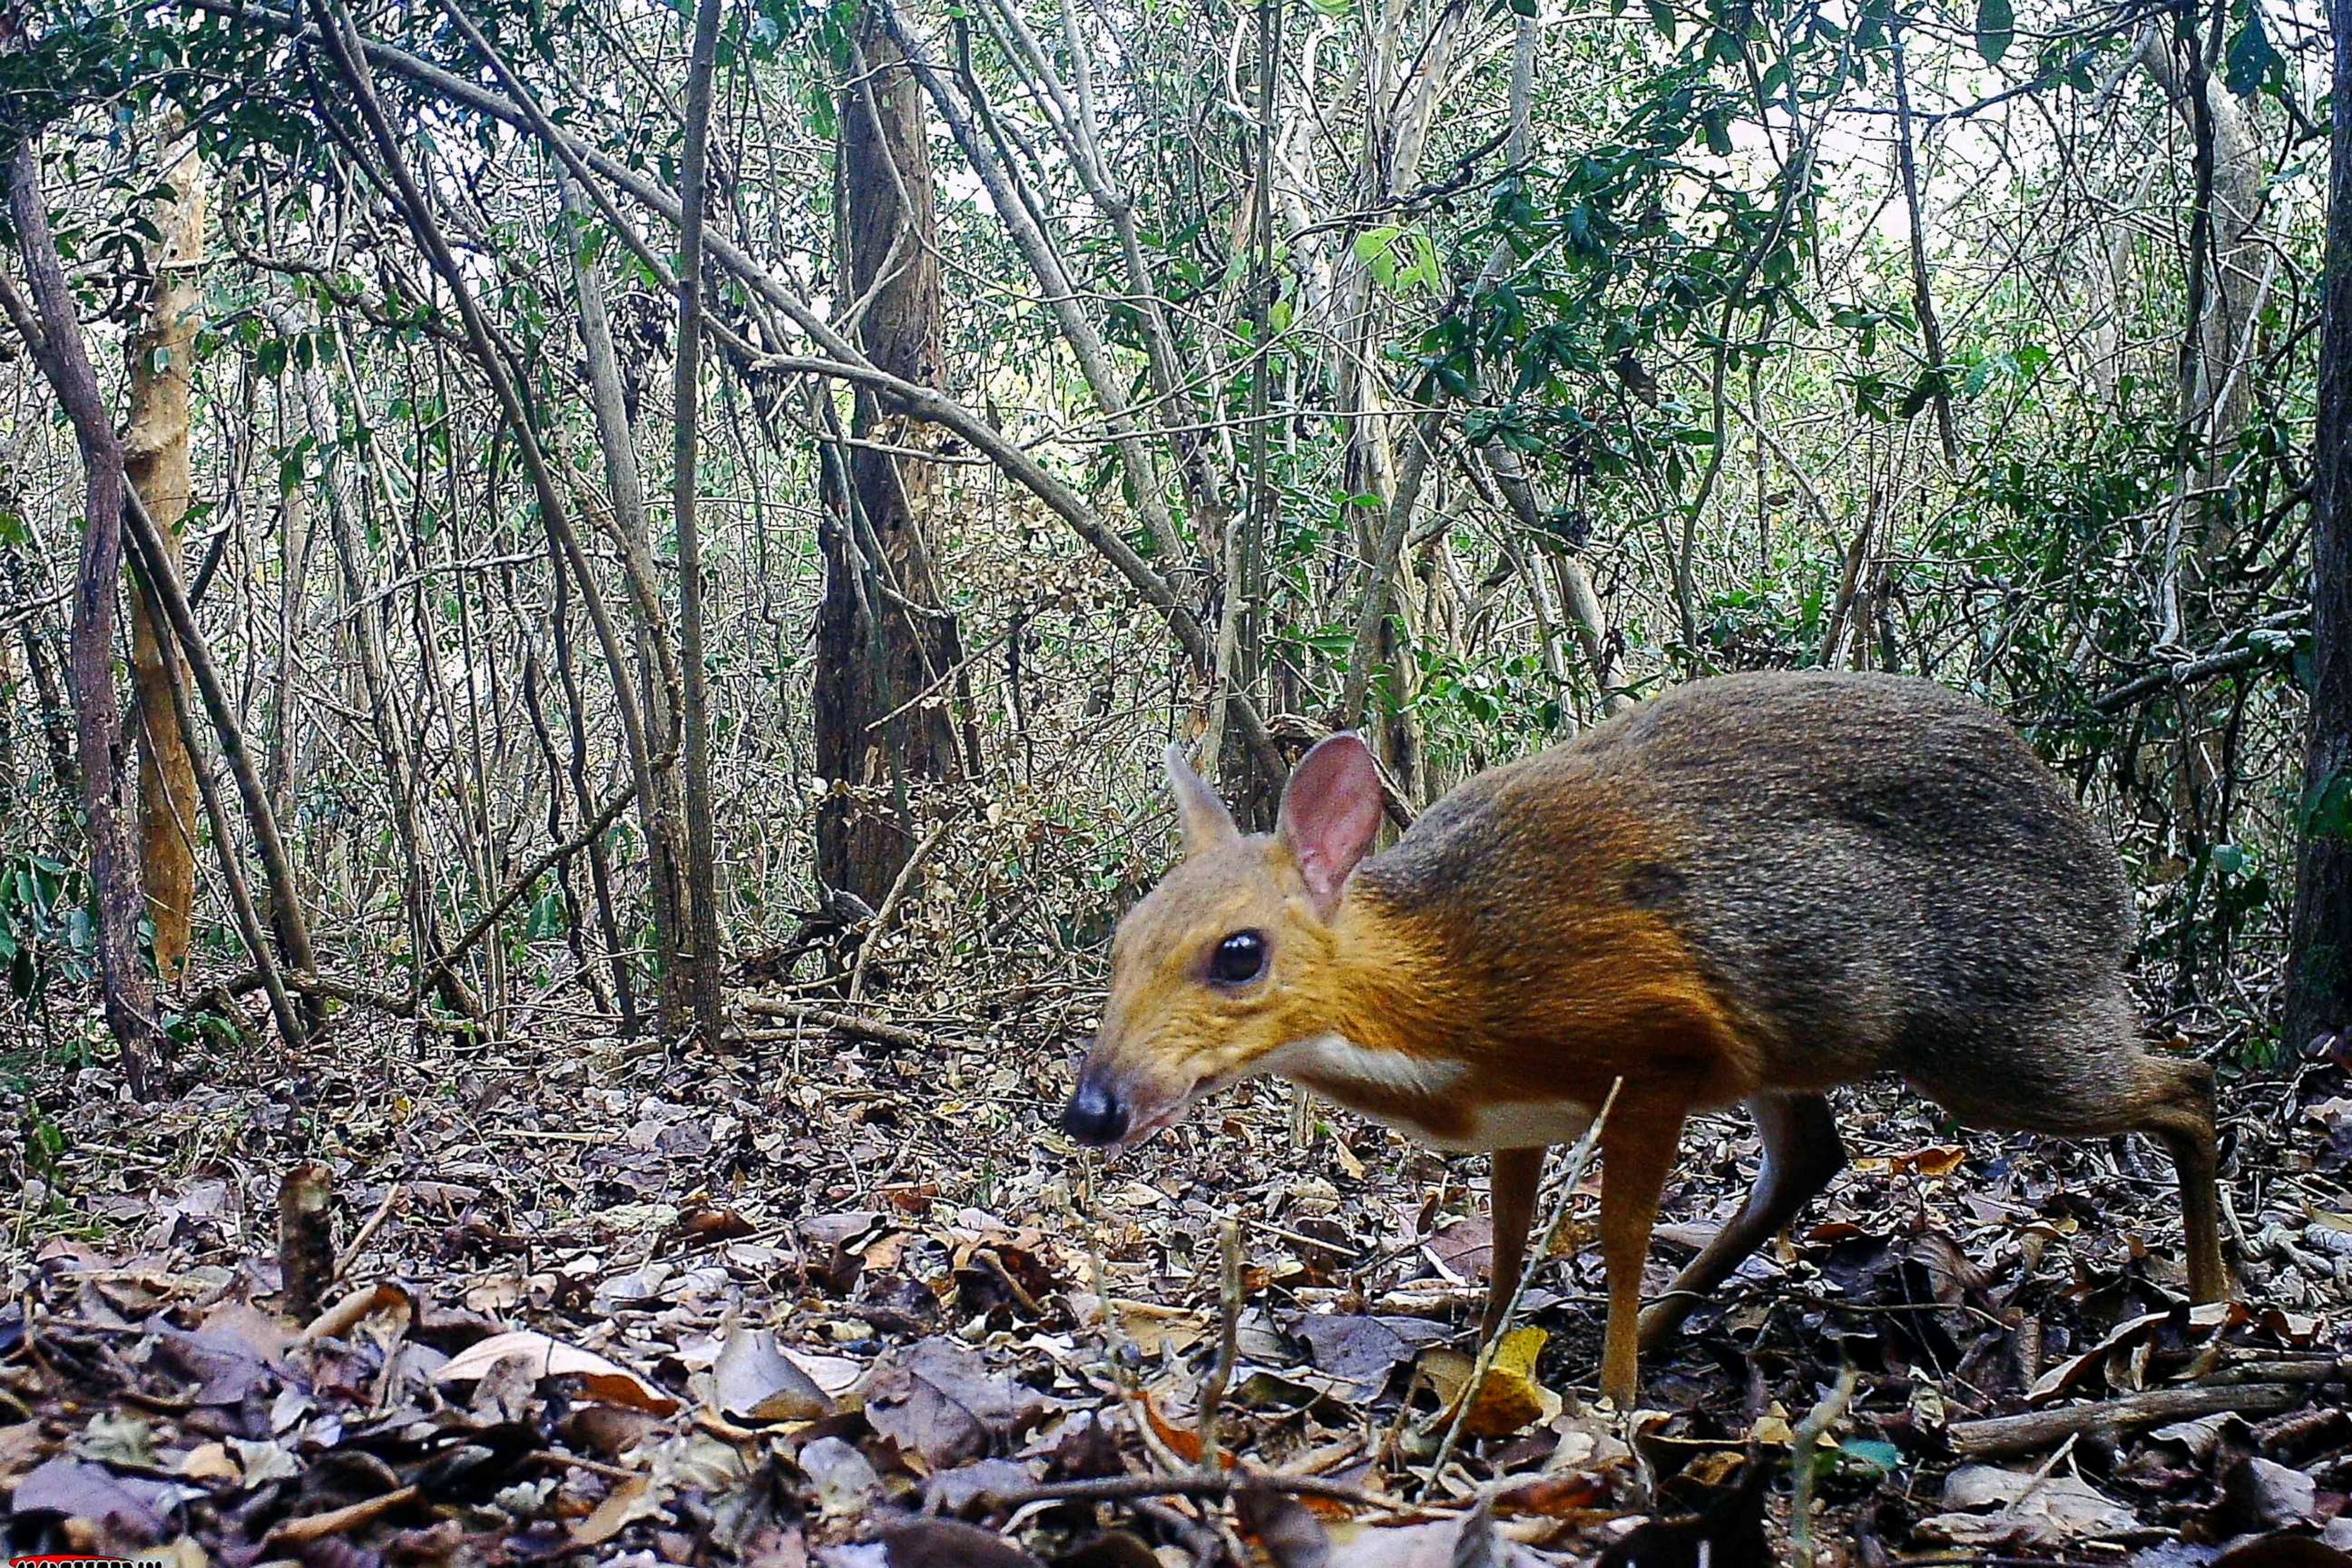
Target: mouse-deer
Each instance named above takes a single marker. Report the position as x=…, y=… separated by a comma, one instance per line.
x=1752, y=889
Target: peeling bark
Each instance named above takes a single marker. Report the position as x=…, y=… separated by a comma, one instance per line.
x=155, y=449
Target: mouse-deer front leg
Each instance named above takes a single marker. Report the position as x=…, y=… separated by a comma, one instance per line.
x=1517, y=1173
x=1637, y=1151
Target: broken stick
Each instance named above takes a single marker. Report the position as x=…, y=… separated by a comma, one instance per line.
x=2004, y=1434
x=306, y=1241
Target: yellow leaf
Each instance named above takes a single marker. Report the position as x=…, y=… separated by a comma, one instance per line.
x=1510, y=1400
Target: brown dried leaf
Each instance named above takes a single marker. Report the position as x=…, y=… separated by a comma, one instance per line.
x=1363, y=1350
x=2263, y=1495
x=68, y=1489
x=1992, y=1507
x=603, y=1379
x=941, y=1401
x=1284, y=1528
x=633, y=1499
x=945, y=1543
x=756, y=1382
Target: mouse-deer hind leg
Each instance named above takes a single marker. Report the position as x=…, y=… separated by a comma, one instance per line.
x=2180, y=1114
x=1801, y=1154
x=2116, y=1085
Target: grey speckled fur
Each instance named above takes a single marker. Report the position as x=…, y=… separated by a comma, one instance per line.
x=1877, y=873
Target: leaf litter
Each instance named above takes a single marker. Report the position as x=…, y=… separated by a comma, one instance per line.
x=842, y=1306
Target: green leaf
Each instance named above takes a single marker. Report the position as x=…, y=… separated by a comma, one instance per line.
x=1662, y=16
x=1922, y=392
x=546, y=917
x=2252, y=59
x=1372, y=249
x=1400, y=258
x=2327, y=809
x=1869, y=1453
x=1996, y=26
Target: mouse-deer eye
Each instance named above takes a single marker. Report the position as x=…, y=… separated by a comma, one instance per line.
x=1238, y=958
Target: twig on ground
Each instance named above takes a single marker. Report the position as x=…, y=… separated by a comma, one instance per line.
x=1997, y=1435
x=1198, y=1484
x=1229, y=1317
x=2041, y=1474
x=856, y=1025
x=1802, y=1467
x=1197, y=1538
x=366, y=1232
x=556, y=1460
x=987, y=1259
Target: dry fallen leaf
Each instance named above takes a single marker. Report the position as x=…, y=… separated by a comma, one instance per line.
x=1364, y=1349
x=1991, y=1507
x=74, y=1490
x=633, y=1499
x=1510, y=1400
x=605, y=1380
x=754, y=1381
x=2132, y=1334
x=1935, y=1160
x=210, y=1462
x=1283, y=1526
x=941, y=1401
x=843, y=1478
x=1156, y=1329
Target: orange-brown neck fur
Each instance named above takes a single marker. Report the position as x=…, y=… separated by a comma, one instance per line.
x=1536, y=1004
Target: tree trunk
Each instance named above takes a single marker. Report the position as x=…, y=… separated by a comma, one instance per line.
x=884, y=648
x=2319, y=981
x=129, y=989
x=660, y=807
x=2228, y=271
x=56, y=727
x=687, y=385
x=155, y=455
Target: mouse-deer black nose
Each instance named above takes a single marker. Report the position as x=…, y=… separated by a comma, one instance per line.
x=1095, y=1115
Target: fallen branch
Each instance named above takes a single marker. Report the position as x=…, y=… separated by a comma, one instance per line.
x=2005, y=1434
x=855, y=1025
x=1198, y=1484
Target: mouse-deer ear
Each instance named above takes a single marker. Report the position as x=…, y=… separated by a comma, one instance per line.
x=1207, y=823
x=1330, y=810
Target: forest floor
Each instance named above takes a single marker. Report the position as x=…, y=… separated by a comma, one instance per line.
x=831, y=1302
